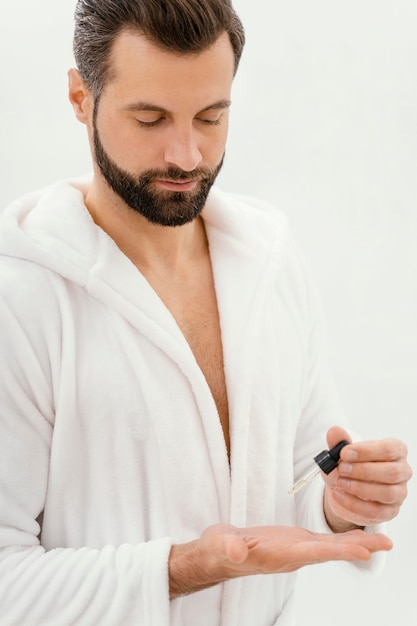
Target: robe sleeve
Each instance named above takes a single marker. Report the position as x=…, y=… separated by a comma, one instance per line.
x=126, y=584
x=320, y=410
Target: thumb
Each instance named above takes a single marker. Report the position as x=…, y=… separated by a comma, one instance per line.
x=337, y=434
x=223, y=542
x=236, y=549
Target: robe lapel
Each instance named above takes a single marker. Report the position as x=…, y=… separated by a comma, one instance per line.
x=242, y=243
x=137, y=302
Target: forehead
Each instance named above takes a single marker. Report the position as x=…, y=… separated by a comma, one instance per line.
x=140, y=69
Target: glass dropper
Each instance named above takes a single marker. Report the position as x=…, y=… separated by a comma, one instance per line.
x=327, y=461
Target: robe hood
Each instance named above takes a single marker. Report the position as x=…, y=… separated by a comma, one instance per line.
x=38, y=227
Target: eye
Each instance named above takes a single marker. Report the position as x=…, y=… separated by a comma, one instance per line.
x=149, y=123
x=208, y=121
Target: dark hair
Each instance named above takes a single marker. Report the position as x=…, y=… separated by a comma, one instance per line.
x=181, y=26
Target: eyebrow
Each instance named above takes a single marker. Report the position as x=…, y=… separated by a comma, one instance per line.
x=146, y=106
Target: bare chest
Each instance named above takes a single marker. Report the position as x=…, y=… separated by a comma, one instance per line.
x=194, y=307
x=199, y=323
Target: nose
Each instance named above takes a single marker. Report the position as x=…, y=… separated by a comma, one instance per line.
x=182, y=149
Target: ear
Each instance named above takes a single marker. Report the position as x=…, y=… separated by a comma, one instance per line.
x=80, y=96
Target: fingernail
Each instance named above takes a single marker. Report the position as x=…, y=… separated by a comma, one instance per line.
x=351, y=455
x=344, y=468
x=344, y=483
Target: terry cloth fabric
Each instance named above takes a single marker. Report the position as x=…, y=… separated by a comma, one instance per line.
x=111, y=448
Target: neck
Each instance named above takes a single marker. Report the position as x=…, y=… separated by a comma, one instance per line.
x=147, y=245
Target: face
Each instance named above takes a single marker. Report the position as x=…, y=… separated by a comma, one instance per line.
x=159, y=128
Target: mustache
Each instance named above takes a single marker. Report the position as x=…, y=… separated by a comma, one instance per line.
x=174, y=174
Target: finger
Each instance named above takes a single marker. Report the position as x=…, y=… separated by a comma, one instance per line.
x=364, y=512
x=321, y=553
x=222, y=542
x=385, y=494
x=380, y=450
x=335, y=435
x=384, y=472
x=353, y=546
x=374, y=542
x=236, y=549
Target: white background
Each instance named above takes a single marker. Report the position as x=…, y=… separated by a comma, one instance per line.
x=324, y=125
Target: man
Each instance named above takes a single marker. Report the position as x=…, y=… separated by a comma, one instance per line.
x=163, y=377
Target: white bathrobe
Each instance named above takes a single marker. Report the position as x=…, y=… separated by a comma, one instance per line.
x=111, y=448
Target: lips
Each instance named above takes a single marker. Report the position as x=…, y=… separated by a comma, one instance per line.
x=177, y=185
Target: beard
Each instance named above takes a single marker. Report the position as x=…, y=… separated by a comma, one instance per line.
x=165, y=208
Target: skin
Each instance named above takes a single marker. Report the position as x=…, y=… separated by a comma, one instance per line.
x=368, y=487
x=161, y=110
x=370, y=483
x=225, y=552
x=187, y=130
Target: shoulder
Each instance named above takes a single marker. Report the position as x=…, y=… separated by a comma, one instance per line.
x=29, y=298
x=259, y=223
x=258, y=228
x=246, y=208
x=22, y=279
x=255, y=225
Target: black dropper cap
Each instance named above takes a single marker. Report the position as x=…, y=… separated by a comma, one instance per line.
x=327, y=460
